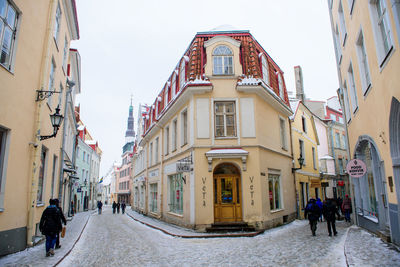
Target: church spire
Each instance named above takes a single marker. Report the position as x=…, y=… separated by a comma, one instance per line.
x=130, y=132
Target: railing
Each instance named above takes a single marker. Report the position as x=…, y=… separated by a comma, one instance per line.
x=364, y=212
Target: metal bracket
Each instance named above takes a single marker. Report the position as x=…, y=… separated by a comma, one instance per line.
x=42, y=95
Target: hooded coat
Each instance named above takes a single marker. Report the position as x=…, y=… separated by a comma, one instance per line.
x=50, y=222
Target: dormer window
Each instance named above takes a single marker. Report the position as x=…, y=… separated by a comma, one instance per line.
x=223, y=61
x=173, y=86
x=280, y=83
x=265, y=73
x=182, y=75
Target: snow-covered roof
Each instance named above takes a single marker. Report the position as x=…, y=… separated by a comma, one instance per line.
x=91, y=142
x=294, y=104
x=227, y=151
x=81, y=127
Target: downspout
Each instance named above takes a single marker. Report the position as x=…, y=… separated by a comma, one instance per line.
x=37, y=150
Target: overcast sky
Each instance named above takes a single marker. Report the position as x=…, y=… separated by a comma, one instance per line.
x=131, y=47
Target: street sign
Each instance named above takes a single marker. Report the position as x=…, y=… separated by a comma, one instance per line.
x=356, y=168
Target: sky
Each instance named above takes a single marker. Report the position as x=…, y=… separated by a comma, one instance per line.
x=130, y=48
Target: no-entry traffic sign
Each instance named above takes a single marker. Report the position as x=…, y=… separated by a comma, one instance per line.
x=356, y=168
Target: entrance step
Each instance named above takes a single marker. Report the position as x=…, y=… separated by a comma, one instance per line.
x=230, y=227
x=385, y=235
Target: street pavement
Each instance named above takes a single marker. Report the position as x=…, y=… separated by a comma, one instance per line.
x=122, y=240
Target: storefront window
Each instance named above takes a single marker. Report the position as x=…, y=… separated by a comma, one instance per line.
x=370, y=181
x=274, y=192
x=153, y=198
x=175, y=193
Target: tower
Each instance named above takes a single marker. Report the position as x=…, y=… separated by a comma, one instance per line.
x=130, y=132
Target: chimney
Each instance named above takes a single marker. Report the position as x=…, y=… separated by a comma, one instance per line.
x=298, y=75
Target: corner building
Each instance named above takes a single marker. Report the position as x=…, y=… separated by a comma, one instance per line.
x=215, y=145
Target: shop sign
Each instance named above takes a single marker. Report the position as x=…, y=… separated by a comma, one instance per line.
x=325, y=184
x=182, y=167
x=340, y=183
x=356, y=168
x=79, y=190
x=315, y=183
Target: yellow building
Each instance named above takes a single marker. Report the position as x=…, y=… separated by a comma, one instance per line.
x=35, y=38
x=216, y=143
x=305, y=141
x=367, y=40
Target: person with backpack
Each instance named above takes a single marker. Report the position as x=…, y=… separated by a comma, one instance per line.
x=330, y=210
x=312, y=212
x=50, y=226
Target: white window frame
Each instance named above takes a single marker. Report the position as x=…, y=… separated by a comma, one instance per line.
x=184, y=127
x=174, y=135
x=226, y=68
x=342, y=23
x=274, y=177
x=314, y=158
x=151, y=154
x=166, y=96
x=166, y=141
x=4, y=24
x=153, y=201
x=224, y=113
x=182, y=74
x=365, y=74
x=156, y=154
x=173, y=86
x=4, y=149
x=337, y=140
x=337, y=45
x=265, y=70
x=41, y=190
x=346, y=102
x=283, y=133
x=302, y=151
x=353, y=89
x=57, y=23
x=381, y=36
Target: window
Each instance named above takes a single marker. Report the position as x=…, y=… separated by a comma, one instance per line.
x=53, y=175
x=166, y=141
x=353, y=91
x=280, y=83
x=173, y=86
x=166, y=96
x=341, y=120
x=340, y=163
x=51, y=81
x=8, y=23
x=64, y=64
x=351, y=5
x=174, y=134
x=304, y=123
x=346, y=102
x=42, y=172
x=274, y=192
x=363, y=63
x=337, y=140
x=184, y=128
x=344, y=141
x=3, y=160
x=153, y=198
x=84, y=156
x=175, y=193
x=282, y=125
x=343, y=32
x=223, y=61
x=381, y=29
x=182, y=73
x=225, y=125
x=156, y=152
x=57, y=23
x=314, y=159
x=265, y=73
x=332, y=116
x=151, y=155
x=337, y=45
x=302, y=151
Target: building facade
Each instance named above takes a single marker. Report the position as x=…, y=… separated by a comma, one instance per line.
x=35, y=38
x=216, y=143
x=367, y=40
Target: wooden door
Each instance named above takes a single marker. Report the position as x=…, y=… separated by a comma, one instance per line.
x=227, y=198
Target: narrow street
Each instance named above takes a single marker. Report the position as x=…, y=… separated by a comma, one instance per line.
x=118, y=240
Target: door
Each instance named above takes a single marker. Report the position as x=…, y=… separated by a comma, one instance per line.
x=227, y=198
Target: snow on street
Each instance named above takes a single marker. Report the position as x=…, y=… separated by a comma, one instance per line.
x=118, y=240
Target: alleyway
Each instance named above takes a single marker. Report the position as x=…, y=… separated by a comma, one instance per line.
x=118, y=240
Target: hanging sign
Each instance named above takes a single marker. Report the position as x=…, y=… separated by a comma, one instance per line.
x=356, y=168
x=340, y=183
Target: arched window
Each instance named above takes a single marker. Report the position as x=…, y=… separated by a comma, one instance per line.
x=182, y=75
x=280, y=82
x=223, y=61
x=165, y=96
x=173, y=85
x=265, y=72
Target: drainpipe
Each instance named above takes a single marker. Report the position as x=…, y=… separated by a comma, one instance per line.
x=37, y=150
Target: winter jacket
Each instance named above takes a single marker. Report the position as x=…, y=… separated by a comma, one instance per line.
x=346, y=204
x=99, y=204
x=50, y=222
x=312, y=211
x=114, y=205
x=329, y=210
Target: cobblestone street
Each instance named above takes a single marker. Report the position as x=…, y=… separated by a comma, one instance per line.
x=118, y=240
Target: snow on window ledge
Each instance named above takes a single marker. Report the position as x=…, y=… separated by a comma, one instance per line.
x=275, y=211
x=175, y=214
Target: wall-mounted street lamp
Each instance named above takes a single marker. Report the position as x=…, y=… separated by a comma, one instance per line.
x=56, y=120
x=301, y=162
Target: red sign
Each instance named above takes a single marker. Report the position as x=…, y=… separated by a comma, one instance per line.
x=177, y=194
x=340, y=183
x=356, y=168
x=270, y=195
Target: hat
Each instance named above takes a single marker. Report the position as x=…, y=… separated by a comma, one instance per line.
x=346, y=195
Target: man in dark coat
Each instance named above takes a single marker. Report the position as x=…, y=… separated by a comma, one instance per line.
x=330, y=210
x=62, y=219
x=312, y=212
x=123, y=206
x=99, y=205
x=114, y=206
x=50, y=225
x=118, y=206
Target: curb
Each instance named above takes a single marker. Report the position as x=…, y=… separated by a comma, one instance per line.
x=198, y=236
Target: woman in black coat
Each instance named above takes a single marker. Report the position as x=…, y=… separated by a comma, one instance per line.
x=114, y=206
x=330, y=210
x=50, y=225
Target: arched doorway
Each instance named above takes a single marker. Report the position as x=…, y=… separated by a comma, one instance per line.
x=227, y=193
x=394, y=129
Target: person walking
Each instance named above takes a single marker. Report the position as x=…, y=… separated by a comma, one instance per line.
x=339, y=202
x=62, y=219
x=312, y=212
x=50, y=225
x=346, y=206
x=114, y=206
x=319, y=203
x=118, y=206
x=330, y=210
x=99, y=206
x=123, y=206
